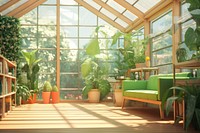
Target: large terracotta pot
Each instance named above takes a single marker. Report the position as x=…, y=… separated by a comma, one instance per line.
x=46, y=97
x=55, y=97
x=94, y=96
x=118, y=97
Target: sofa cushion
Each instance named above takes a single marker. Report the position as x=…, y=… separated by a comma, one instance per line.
x=143, y=94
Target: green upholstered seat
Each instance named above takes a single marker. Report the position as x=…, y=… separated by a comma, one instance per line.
x=142, y=94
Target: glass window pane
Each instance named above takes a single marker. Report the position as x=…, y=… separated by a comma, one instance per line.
x=68, y=67
x=29, y=31
x=165, y=69
x=69, y=43
x=50, y=2
x=68, y=2
x=47, y=55
x=69, y=31
x=69, y=81
x=83, y=43
x=161, y=41
x=47, y=15
x=162, y=24
x=68, y=55
x=29, y=18
x=163, y=56
x=29, y=43
x=47, y=67
x=68, y=15
x=86, y=17
x=46, y=31
x=46, y=42
x=86, y=31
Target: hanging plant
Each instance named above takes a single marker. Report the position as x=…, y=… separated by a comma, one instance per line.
x=10, y=39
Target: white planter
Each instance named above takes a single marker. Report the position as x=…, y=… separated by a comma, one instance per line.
x=94, y=96
x=118, y=97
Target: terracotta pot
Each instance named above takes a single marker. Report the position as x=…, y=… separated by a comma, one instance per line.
x=55, y=97
x=118, y=97
x=94, y=96
x=46, y=97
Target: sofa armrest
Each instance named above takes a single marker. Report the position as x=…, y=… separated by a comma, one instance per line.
x=164, y=84
x=134, y=85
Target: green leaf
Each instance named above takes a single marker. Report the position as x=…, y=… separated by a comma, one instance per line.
x=190, y=39
x=93, y=47
x=169, y=103
x=86, y=67
x=115, y=37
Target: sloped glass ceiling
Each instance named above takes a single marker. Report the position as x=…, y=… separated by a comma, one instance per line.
x=119, y=13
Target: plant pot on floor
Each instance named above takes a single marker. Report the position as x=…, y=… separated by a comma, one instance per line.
x=55, y=97
x=46, y=97
x=118, y=97
x=94, y=96
x=32, y=99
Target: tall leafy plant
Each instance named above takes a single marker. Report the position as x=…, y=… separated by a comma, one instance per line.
x=31, y=68
x=192, y=36
x=95, y=68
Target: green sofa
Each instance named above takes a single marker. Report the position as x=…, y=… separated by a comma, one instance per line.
x=151, y=90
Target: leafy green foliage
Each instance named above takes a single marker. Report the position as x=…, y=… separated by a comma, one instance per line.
x=95, y=68
x=192, y=36
x=31, y=68
x=10, y=38
x=190, y=94
x=23, y=92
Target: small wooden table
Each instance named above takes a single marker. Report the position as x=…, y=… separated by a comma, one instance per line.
x=143, y=70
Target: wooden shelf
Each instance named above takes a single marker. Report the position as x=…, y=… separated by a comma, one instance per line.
x=7, y=80
x=188, y=64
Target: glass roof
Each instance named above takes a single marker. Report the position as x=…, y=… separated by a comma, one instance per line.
x=120, y=13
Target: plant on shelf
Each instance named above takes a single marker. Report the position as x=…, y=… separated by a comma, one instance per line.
x=191, y=96
x=94, y=70
x=46, y=92
x=134, y=48
x=55, y=94
x=31, y=68
x=192, y=36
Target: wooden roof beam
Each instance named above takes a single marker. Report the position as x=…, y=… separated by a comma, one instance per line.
x=131, y=8
x=29, y=8
x=101, y=15
x=8, y=4
x=113, y=11
x=20, y=8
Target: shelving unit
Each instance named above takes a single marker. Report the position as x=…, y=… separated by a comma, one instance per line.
x=193, y=64
x=7, y=86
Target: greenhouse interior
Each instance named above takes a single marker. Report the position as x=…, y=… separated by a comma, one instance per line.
x=99, y=66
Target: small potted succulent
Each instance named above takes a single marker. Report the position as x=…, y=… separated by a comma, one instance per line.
x=47, y=88
x=55, y=94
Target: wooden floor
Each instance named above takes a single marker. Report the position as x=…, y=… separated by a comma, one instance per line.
x=86, y=118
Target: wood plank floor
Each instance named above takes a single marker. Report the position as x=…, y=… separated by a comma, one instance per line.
x=86, y=118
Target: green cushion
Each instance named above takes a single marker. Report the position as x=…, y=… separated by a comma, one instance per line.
x=153, y=83
x=143, y=94
x=134, y=84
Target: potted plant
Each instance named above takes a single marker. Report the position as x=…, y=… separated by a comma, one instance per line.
x=22, y=94
x=191, y=96
x=31, y=68
x=94, y=71
x=192, y=36
x=47, y=88
x=134, y=48
x=55, y=94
